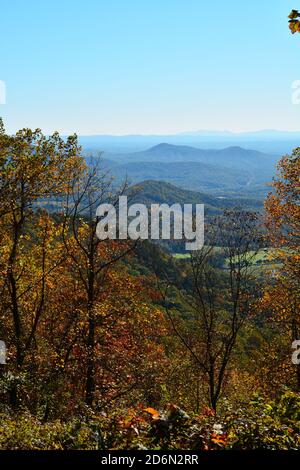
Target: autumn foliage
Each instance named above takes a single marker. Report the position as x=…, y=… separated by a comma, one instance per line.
x=114, y=344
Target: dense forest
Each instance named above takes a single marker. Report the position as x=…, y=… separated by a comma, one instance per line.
x=127, y=344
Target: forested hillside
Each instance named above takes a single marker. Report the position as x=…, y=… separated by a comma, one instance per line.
x=151, y=192
x=120, y=344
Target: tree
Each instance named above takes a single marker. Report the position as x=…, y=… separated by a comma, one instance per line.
x=294, y=23
x=33, y=168
x=220, y=303
x=91, y=256
x=282, y=295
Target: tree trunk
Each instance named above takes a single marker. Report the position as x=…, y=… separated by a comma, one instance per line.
x=90, y=375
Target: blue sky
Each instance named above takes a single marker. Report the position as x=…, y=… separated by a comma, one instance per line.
x=142, y=67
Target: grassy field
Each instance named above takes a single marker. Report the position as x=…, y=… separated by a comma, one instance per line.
x=264, y=257
x=181, y=255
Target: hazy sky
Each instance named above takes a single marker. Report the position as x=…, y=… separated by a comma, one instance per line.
x=148, y=66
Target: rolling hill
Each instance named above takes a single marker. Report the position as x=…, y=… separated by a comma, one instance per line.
x=159, y=192
x=235, y=157
x=232, y=170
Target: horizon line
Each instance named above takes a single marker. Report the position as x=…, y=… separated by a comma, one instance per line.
x=206, y=132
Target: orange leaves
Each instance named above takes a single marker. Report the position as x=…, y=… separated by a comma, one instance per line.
x=294, y=23
x=294, y=26
x=294, y=14
x=283, y=224
x=219, y=439
x=207, y=411
x=154, y=413
x=172, y=426
x=131, y=422
x=281, y=297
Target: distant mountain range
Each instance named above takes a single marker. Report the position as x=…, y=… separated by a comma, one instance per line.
x=264, y=133
x=229, y=170
x=230, y=157
x=270, y=141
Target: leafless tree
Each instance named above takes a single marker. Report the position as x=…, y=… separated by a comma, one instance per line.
x=220, y=301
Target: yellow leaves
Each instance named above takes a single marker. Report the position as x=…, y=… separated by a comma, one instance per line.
x=294, y=14
x=281, y=299
x=283, y=211
x=294, y=24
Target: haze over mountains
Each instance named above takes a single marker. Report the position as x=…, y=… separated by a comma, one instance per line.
x=230, y=170
x=269, y=141
x=230, y=157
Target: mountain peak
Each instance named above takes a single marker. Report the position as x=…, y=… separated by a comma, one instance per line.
x=162, y=146
x=165, y=147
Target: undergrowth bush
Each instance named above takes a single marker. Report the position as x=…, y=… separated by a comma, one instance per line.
x=261, y=424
